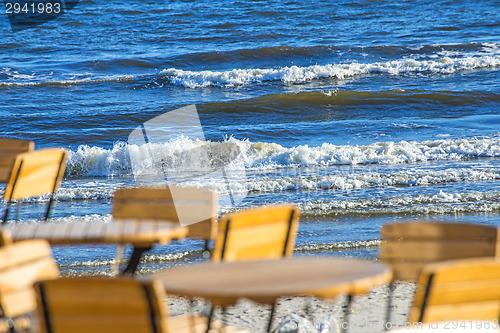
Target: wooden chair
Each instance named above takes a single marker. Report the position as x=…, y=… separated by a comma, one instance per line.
x=22, y=264
x=177, y=204
x=408, y=247
x=104, y=305
x=35, y=173
x=257, y=233
x=9, y=148
x=459, y=290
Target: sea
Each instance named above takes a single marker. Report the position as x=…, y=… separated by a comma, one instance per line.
x=361, y=113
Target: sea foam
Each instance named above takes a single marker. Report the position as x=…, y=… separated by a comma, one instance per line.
x=298, y=74
x=100, y=162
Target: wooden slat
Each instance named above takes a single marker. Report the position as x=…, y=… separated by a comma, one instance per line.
x=21, y=264
x=78, y=230
x=259, y=241
x=18, y=302
x=21, y=252
x=24, y=230
x=5, y=238
x=4, y=173
x=405, y=271
x=16, y=145
x=23, y=274
x=205, y=229
x=44, y=230
x=35, y=173
x=101, y=305
x=469, y=311
x=439, y=231
x=436, y=249
x=164, y=210
x=460, y=289
x=9, y=148
x=61, y=231
x=94, y=230
x=469, y=291
x=256, y=233
x=164, y=193
x=148, y=210
x=195, y=207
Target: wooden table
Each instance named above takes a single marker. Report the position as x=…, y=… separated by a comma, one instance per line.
x=142, y=235
x=265, y=281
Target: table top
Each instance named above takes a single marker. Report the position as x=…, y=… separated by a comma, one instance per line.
x=93, y=232
x=265, y=280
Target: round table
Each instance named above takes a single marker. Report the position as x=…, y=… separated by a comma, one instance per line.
x=264, y=281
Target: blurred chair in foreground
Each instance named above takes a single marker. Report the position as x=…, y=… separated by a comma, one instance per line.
x=459, y=290
x=149, y=203
x=169, y=204
x=22, y=264
x=257, y=233
x=459, y=295
x=408, y=247
x=9, y=148
x=104, y=305
x=33, y=174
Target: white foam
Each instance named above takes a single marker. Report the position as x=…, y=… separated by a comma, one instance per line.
x=425, y=204
x=446, y=64
x=95, y=161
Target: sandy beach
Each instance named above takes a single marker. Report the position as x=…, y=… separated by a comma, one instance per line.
x=367, y=312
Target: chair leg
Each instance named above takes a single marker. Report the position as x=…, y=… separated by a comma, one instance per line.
x=18, y=209
x=271, y=316
x=345, y=317
x=390, y=294
x=134, y=259
x=49, y=206
x=6, y=214
x=210, y=318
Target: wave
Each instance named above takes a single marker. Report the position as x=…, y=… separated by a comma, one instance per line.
x=441, y=203
x=348, y=179
x=290, y=102
x=91, y=161
x=298, y=74
x=361, y=244
x=251, y=66
x=351, y=180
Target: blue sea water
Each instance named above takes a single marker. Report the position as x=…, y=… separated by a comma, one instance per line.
x=360, y=112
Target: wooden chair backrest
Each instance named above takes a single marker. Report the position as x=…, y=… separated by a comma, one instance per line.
x=9, y=148
x=5, y=238
x=168, y=203
x=101, y=305
x=22, y=264
x=408, y=247
x=36, y=173
x=466, y=289
x=257, y=233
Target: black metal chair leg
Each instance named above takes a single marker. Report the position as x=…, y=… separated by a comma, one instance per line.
x=345, y=317
x=49, y=206
x=271, y=316
x=6, y=215
x=391, y=287
x=134, y=259
x=210, y=317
